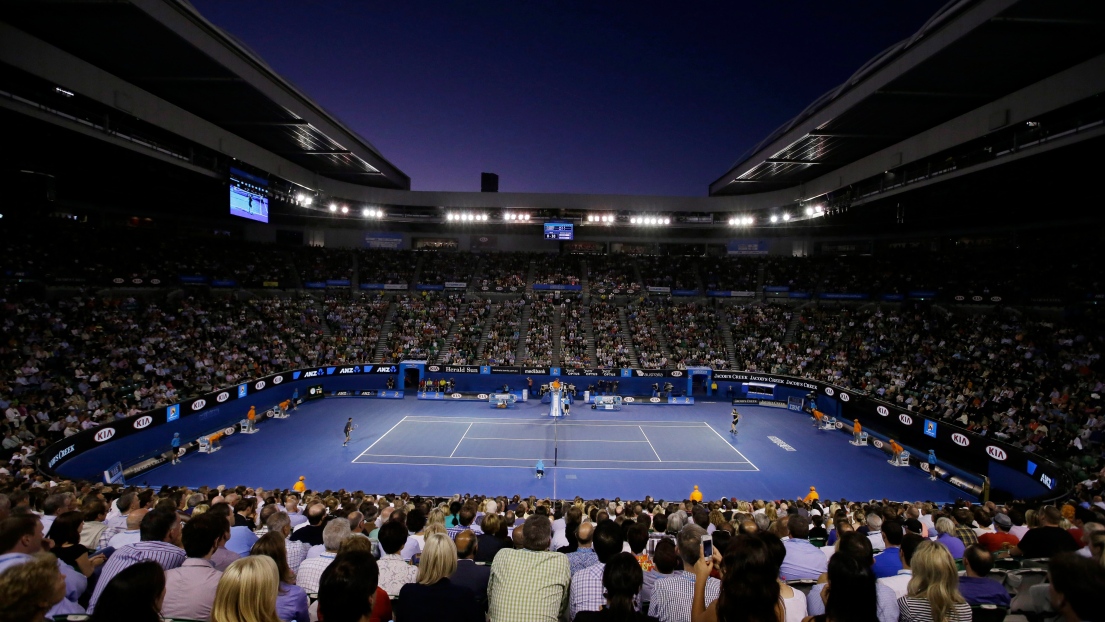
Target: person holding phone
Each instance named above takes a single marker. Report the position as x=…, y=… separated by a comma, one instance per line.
x=748, y=580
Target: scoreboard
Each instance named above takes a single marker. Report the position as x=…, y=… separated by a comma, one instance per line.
x=559, y=231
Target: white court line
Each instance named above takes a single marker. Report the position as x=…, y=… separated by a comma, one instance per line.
x=571, y=468
x=381, y=438
x=535, y=459
x=649, y=443
x=572, y=440
x=728, y=445
x=656, y=424
x=461, y=439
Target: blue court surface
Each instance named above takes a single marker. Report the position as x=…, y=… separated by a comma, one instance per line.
x=443, y=448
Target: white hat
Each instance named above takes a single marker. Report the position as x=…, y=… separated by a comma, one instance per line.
x=815, y=512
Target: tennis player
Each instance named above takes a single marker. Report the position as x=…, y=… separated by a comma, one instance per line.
x=736, y=420
x=349, y=427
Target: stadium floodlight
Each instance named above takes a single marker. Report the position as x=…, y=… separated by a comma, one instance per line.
x=333, y=207
x=345, y=209
x=526, y=217
x=809, y=211
x=307, y=201
x=819, y=208
x=786, y=216
x=667, y=221
x=365, y=212
x=749, y=221
x=774, y=218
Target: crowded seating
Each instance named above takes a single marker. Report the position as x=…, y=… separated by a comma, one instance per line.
x=216, y=552
x=387, y=267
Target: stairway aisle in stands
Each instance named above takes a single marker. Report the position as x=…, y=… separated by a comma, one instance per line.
x=485, y=328
x=727, y=335
x=558, y=318
x=520, y=353
x=355, y=278
x=416, y=274
x=385, y=331
x=531, y=274
x=792, y=327
x=589, y=334
x=650, y=313
x=623, y=334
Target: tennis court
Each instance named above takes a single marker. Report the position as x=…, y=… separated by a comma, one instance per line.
x=591, y=445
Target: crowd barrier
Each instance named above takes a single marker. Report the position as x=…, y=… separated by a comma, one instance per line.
x=1013, y=473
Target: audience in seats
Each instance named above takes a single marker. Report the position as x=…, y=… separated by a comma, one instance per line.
x=933, y=592
x=610, y=559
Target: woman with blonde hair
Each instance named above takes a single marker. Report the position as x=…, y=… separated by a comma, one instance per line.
x=29, y=590
x=291, y=600
x=434, y=598
x=769, y=511
x=933, y=593
x=247, y=591
x=436, y=517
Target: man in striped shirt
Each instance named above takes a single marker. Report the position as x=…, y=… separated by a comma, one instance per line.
x=672, y=595
x=160, y=533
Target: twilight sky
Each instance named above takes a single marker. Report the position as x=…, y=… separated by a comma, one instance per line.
x=606, y=96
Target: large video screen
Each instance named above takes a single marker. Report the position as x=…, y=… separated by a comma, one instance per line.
x=559, y=231
x=248, y=196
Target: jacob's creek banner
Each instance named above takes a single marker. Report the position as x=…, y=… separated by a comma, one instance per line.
x=952, y=443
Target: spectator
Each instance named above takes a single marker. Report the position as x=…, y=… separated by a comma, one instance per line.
x=347, y=587
x=291, y=600
x=899, y=583
x=976, y=586
x=945, y=527
x=160, y=543
x=622, y=581
x=858, y=547
x=190, y=589
x=66, y=534
x=933, y=591
x=312, y=533
x=492, y=539
x=586, y=588
x=394, y=573
x=1001, y=538
x=889, y=561
x=468, y=573
x=584, y=555
x=134, y=593
x=803, y=560
x=310, y=571
x=1047, y=539
x=794, y=601
x=434, y=597
x=20, y=540
x=281, y=523
x=851, y=591
x=29, y=590
x=530, y=583
x=672, y=596
x=749, y=582
x=133, y=532
x=247, y=591
x=1076, y=586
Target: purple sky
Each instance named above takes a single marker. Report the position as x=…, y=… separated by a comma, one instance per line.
x=588, y=97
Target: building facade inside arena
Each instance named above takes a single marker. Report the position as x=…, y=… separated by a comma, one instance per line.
x=913, y=264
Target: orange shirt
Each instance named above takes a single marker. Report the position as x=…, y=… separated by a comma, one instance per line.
x=696, y=495
x=216, y=437
x=895, y=447
x=285, y=404
x=813, y=496
x=857, y=428
x=817, y=414
x=299, y=486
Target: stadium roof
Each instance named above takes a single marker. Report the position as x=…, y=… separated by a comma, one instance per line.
x=970, y=53
x=168, y=49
